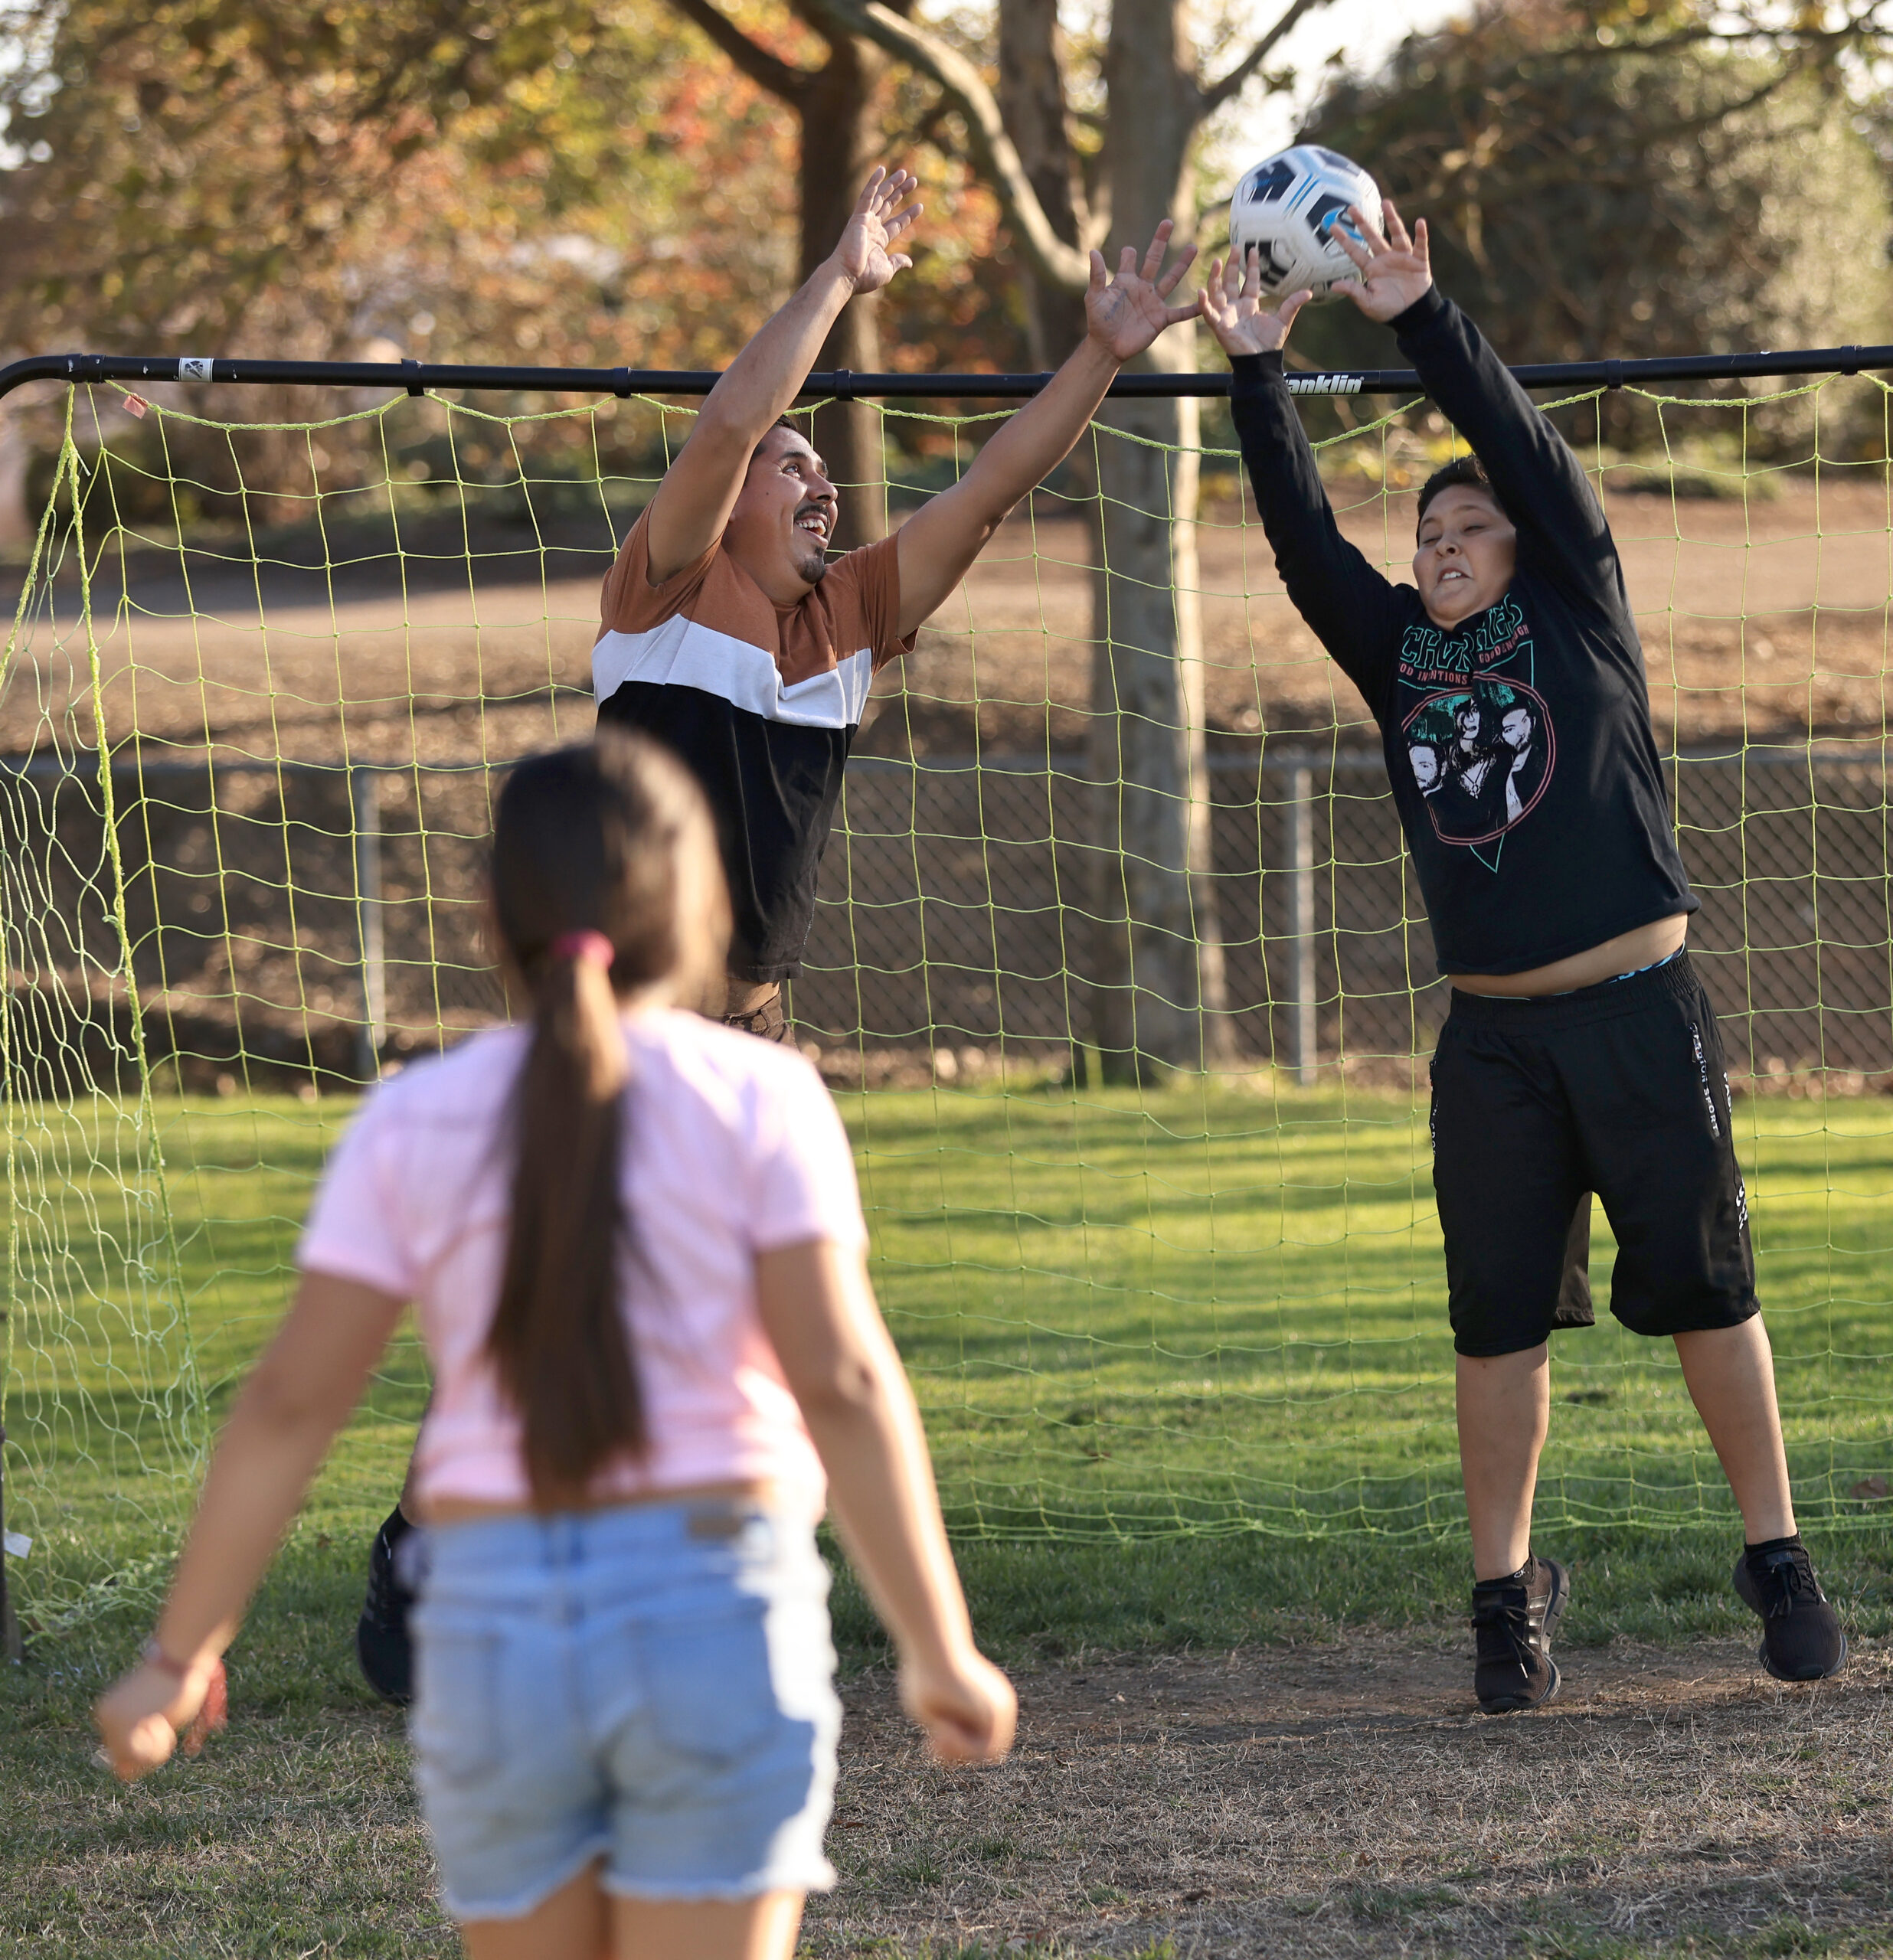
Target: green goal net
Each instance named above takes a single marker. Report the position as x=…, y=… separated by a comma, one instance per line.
x=262, y=679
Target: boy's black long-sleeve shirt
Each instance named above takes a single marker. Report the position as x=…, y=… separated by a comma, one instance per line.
x=1518, y=743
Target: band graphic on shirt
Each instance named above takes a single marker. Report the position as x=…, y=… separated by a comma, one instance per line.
x=1482, y=756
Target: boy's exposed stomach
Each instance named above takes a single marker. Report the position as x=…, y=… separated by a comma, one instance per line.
x=1628, y=952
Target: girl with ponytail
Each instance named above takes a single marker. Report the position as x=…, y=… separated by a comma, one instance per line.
x=634, y=1245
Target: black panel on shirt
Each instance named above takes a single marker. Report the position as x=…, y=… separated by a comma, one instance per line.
x=773, y=786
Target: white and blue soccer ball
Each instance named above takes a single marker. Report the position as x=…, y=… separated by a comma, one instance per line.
x=1290, y=206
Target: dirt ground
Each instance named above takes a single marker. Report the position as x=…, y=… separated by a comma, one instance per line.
x=1770, y=619
x=1349, y=1800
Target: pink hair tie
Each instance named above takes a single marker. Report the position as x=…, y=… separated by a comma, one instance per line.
x=583, y=948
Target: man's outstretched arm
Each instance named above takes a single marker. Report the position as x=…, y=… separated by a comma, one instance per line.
x=693, y=503
x=1123, y=316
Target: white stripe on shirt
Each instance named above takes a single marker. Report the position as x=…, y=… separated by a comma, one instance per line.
x=685, y=653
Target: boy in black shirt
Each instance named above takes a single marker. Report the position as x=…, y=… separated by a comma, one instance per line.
x=1580, y=1054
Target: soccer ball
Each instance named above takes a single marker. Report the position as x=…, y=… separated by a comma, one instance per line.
x=1288, y=208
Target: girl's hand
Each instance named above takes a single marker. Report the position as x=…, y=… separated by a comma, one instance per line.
x=140, y=1717
x=866, y=253
x=1231, y=301
x=1395, y=270
x=966, y=1706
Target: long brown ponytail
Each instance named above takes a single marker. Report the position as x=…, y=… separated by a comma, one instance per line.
x=606, y=880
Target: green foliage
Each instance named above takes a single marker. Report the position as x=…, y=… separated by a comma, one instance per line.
x=547, y=183
x=1585, y=204
x=187, y=158
x=553, y=183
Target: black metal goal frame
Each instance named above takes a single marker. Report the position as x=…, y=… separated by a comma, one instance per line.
x=417, y=378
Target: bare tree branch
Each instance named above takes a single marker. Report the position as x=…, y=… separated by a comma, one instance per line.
x=1237, y=78
x=993, y=153
x=766, y=70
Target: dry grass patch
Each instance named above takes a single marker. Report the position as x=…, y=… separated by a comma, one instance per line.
x=1347, y=1800
x=1339, y=1799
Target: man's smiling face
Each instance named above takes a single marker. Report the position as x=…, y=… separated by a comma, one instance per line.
x=1467, y=553
x=783, y=518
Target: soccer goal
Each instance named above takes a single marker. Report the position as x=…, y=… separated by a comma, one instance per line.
x=271, y=654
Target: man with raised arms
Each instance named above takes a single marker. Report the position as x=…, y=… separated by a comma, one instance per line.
x=1580, y=1053
x=729, y=634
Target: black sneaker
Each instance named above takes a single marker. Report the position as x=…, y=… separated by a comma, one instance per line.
x=381, y=1641
x=1802, y=1639
x=1513, y=1620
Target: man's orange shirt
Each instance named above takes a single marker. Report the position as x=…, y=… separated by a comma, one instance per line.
x=761, y=701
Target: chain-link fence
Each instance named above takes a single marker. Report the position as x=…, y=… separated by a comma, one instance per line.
x=304, y=918
x=958, y=903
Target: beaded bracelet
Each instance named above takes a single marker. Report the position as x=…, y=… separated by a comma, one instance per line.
x=213, y=1713
x=154, y=1656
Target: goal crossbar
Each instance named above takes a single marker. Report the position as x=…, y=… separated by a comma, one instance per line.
x=840, y=384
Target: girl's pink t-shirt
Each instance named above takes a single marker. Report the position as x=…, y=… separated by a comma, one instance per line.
x=733, y=1147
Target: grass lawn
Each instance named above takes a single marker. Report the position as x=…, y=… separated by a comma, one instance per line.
x=1217, y=1309
x=1184, y=1363
x=1204, y=1314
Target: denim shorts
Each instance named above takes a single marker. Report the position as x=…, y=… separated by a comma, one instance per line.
x=651, y=1685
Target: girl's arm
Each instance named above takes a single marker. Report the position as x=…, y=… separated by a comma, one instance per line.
x=299, y=1396
x=818, y=1312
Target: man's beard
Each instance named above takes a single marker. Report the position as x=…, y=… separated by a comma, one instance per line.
x=811, y=560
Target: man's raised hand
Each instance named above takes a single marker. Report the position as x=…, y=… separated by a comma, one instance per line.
x=1231, y=302
x=1395, y=269
x=1124, y=314
x=866, y=253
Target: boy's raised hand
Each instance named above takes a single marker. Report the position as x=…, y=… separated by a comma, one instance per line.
x=1395, y=270
x=1231, y=301
x=866, y=253
x=1125, y=314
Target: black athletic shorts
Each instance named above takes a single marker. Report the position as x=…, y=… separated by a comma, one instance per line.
x=1617, y=1089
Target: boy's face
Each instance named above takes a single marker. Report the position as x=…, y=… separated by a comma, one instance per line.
x=1467, y=554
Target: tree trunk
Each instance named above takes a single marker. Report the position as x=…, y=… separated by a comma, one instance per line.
x=841, y=142
x=16, y=521
x=1032, y=103
x=1158, y=996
